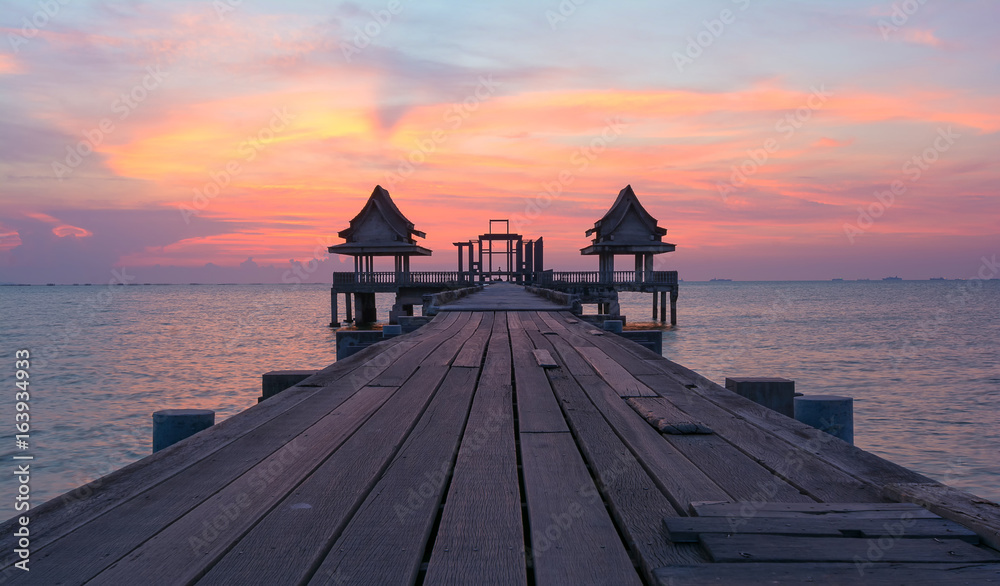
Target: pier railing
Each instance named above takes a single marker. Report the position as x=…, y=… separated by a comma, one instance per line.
x=556, y=278
x=609, y=278
x=392, y=278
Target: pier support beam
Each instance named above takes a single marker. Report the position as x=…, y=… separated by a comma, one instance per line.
x=334, y=317
x=656, y=296
x=364, y=308
x=663, y=306
x=347, y=308
x=673, y=307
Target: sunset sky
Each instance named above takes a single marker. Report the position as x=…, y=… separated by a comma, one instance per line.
x=179, y=140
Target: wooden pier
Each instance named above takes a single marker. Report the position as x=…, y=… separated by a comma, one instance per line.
x=507, y=442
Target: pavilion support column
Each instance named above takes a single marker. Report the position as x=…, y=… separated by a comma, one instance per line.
x=656, y=295
x=638, y=268
x=347, y=308
x=334, y=318
x=663, y=306
x=649, y=267
x=364, y=307
x=673, y=306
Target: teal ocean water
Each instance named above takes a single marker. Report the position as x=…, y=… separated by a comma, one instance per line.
x=920, y=358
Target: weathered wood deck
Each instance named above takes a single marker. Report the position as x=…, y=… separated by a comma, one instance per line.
x=459, y=454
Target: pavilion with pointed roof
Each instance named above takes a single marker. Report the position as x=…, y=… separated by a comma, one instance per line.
x=379, y=229
x=628, y=229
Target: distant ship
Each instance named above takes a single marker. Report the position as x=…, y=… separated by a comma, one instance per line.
x=837, y=280
x=892, y=279
x=719, y=280
x=938, y=279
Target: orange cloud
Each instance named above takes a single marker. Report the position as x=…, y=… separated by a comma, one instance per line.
x=75, y=231
x=922, y=37
x=8, y=65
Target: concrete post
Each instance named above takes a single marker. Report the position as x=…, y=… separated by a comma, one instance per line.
x=833, y=414
x=275, y=381
x=613, y=325
x=173, y=425
x=390, y=331
x=776, y=394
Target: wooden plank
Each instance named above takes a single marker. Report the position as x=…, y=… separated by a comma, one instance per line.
x=199, y=477
x=785, y=549
x=666, y=418
x=402, y=369
x=571, y=361
x=679, y=478
x=480, y=538
x=309, y=516
x=816, y=510
x=614, y=374
x=687, y=529
x=445, y=354
x=61, y=515
x=883, y=574
x=632, y=495
x=740, y=476
x=537, y=409
x=384, y=541
x=573, y=540
x=979, y=514
x=201, y=497
x=474, y=350
x=544, y=359
x=801, y=469
x=862, y=465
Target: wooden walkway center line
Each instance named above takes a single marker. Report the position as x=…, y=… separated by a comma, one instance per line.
x=504, y=443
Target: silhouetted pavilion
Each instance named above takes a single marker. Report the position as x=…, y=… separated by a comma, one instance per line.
x=628, y=229
x=379, y=229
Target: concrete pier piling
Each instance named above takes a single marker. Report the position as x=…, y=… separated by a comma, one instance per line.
x=774, y=393
x=173, y=425
x=833, y=414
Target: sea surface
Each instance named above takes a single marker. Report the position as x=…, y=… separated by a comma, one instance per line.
x=920, y=358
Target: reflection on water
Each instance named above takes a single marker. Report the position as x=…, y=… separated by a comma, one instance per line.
x=104, y=359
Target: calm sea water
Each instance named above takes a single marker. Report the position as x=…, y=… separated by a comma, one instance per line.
x=920, y=358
